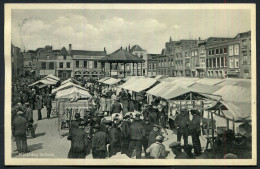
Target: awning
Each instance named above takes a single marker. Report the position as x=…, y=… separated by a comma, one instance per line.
x=70, y=80
x=103, y=79
x=72, y=93
x=130, y=81
x=156, y=90
x=203, y=88
x=66, y=86
x=208, y=81
x=52, y=77
x=141, y=84
x=111, y=81
x=44, y=81
x=175, y=91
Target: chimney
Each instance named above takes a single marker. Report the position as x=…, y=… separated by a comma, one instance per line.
x=126, y=48
x=105, y=49
x=121, y=48
x=69, y=49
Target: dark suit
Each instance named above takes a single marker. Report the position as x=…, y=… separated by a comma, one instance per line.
x=116, y=108
x=99, y=142
x=48, y=106
x=182, y=123
x=194, y=127
x=20, y=126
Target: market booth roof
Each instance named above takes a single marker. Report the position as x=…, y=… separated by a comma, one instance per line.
x=70, y=80
x=45, y=82
x=121, y=56
x=111, y=81
x=103, y=79
x=130, y=81
x=72, y=93
x=66, y=86
x=52, y=77
x=140, y=84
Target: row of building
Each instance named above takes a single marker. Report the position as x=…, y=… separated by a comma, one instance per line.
x=213, y=57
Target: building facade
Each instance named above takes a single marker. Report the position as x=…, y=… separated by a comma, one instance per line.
x=17, y=61
x=138, y=51
x=152, y=64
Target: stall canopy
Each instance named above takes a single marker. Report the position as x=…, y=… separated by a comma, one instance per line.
x=72, y=93
x=130, y=81
x=111, y=81
x=237, y=100
x=52, y=77
x=45, y=82
x=156, y=90
x=66, y=86
x=103, y=79
x=140, y=84
x=208, y=81
x=70, y=80
x=203, y=88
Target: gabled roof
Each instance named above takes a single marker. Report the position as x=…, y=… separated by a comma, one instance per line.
x=121, y=56
x=47, y=56
x=136, y=48
x=243, y=35
x=88, y=53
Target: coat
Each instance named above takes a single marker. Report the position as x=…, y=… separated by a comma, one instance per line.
x=148, y=128
x=157, y=151
x=194, y=125
x=99, y=141
x=152, y=137
x=79, y=140
x=125, y=129
x=114, y=140
x=29, y=114
x=48, y=103
x=116, y=108
x=20, y=126
x=137, y=131
x=182, y=121
x=154, y=117
x=39, y=104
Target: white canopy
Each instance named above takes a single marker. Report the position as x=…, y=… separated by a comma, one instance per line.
x=111, y=81
x=66, y=86
x=70, y=80
x=140, y=84
x=103, y=79
x=52, y=77
x=46, y=81
x=72, y=93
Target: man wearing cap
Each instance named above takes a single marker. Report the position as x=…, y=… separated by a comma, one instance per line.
x=80, y=143
x=114, y=139
x=20, y=126
x=99, y=142
x=48, y=105
x=153, y=134
x=194, y=127
x=157, y=149
x=148, y=127
x=29, y=118
x=182, y=121
x=177, y=150
x=39, y=106
x=125, y=127
x=137, y=133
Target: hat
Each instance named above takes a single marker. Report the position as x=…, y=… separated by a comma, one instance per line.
x=175, y=144
x=230, y=156
x=19, y=113
x=138, y=115
x=159, y=138
x=155, y=125
x=77, y=115
x=126, y=116
x=96, y=126
x=100, y=114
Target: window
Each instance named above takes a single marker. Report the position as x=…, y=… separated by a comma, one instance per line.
x=207, y=63
x=141, y=55
x=90, y=64
x=51, y=65
x=192, y=53
x=85, y=64
x=77, y=64
x=225, y=61
x=136, y=54
x=210, y=63
x=230, y=50
x=218, y=62
x=61, y=64
x=213, y=52
x=236, y=62
x=43, y=65
x=217, y=51
x=214, y=62
x=30, y=63
x=231, y=62
x=95, y=64
x=225, y=50
x=209, y=52
x=221, y=51
x=68, y=64
x=196, y=53
x=244, y=57
x=221, y=61
x=236, y=49
x=244, y=43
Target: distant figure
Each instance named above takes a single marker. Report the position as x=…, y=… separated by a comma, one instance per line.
x=39, y=106
x=20, y=126
x=177, y=150
x=48, y=106
x=182, y=123
x=153, y=134
x=99, y=141
x=125, y=127
x=148, y=127
x=194, y=127
x=29, y=118
x=157, y=149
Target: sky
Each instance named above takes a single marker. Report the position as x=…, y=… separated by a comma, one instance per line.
x=94, y=29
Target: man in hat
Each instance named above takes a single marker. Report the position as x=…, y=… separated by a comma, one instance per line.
x=182, y=121
x=29, y=118
x=78, y=119
x=114, y=139
x=153, y=134
x=125, y=127
x=20, y=126
x=162, y=116
x=99, y=142
x=177, y=150
x=116, y=108
x=137, y=133
x=39, y=106
x=80, y=143
x=148, y=127
x=157, y=149
x=154, y=116
x=48, y=106
x=194, y=127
